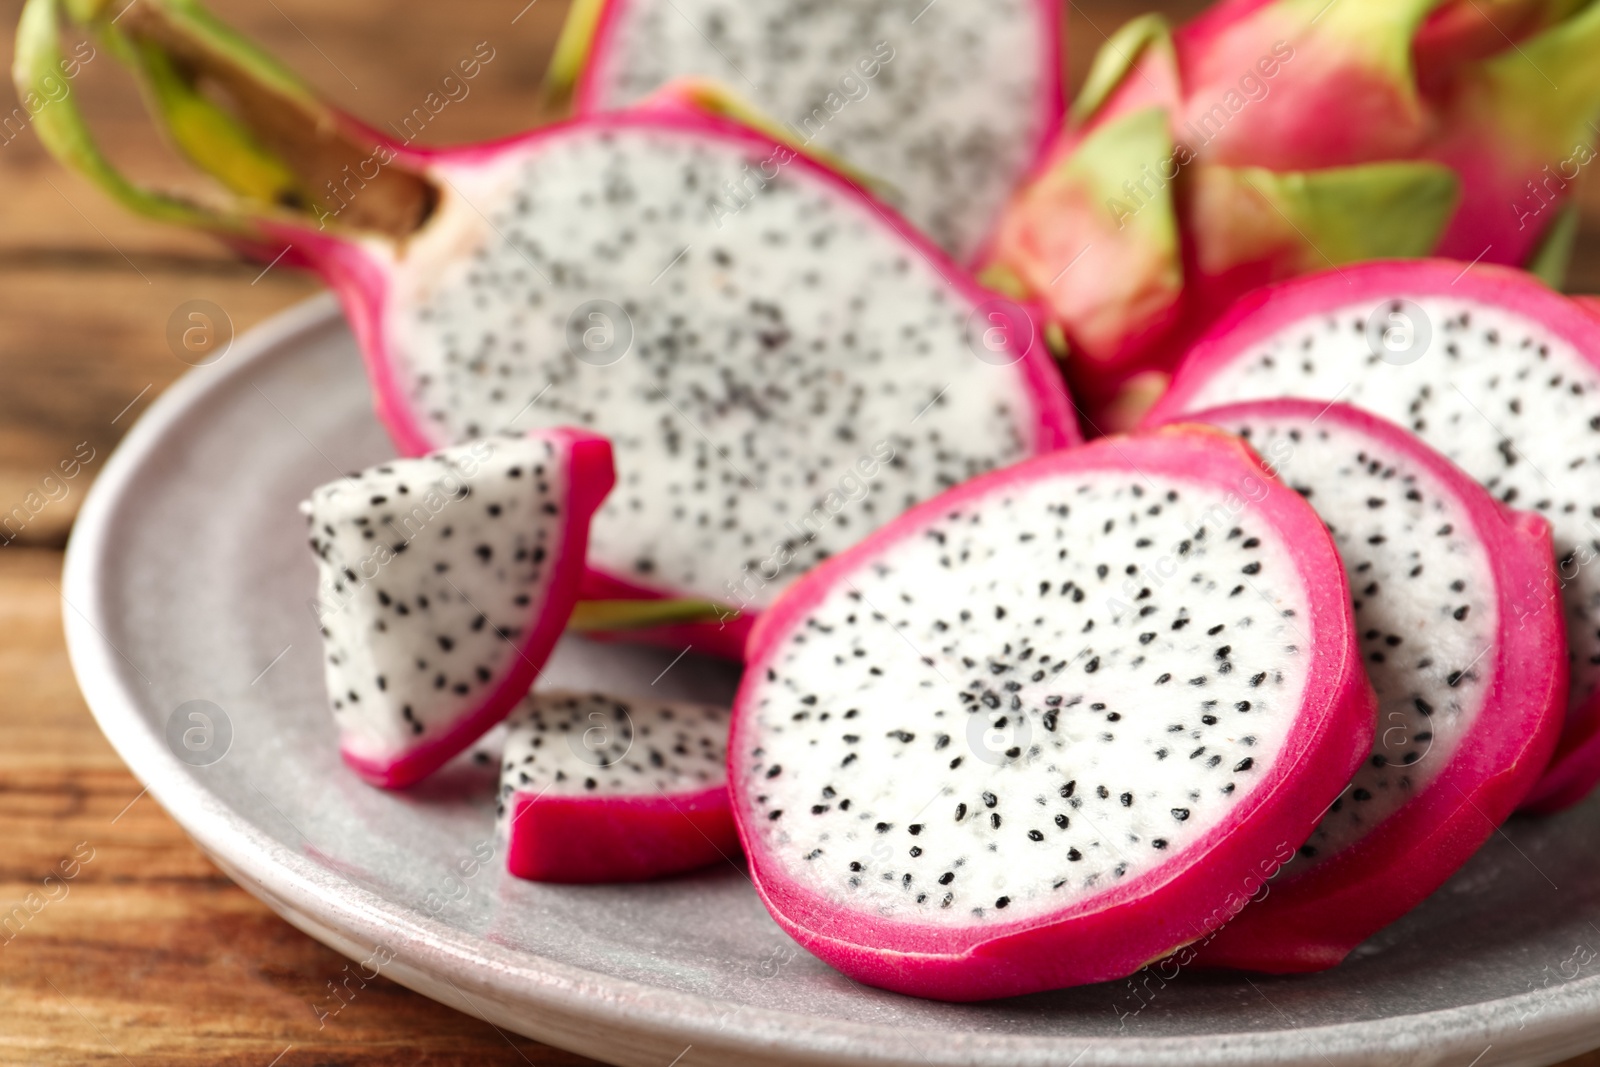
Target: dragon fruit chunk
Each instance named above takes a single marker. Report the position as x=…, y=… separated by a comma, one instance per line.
x=445, y=582
x=1487, y=365
x=1462, y=637
x=598, y=788
x=951, y=104
x=1051, y=725
x=776, y=380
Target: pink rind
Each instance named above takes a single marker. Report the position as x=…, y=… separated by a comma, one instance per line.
x=1311, y=922
x=590, y=476
x=590, y=840
x=1117, y=932
x=1575, y=769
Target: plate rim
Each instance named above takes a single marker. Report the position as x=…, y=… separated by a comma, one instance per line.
x=307, y=895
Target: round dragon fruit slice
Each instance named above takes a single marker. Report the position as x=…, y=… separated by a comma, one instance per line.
x=778, y=377
x=444, y=583
x=949, y=103
x=599, y=788
x=1053, y=724
x=1461, y=634
x=1497, y=372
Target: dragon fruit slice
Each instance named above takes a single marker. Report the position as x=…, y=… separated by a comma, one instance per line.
x=598, y=788
x=1461, y=633
x=1497, y=372
x=1051, y=725
x=444, y=584
x=951, y=103
x=778, y=375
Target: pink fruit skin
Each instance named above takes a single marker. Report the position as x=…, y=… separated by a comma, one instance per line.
x=1449, y=112
x=1575, y=769
x=591, y=477
x=1114, y=934
x=1377, y=118
x=587, y=93
x=1311, y=922
x=362, y=287
x=592, y=840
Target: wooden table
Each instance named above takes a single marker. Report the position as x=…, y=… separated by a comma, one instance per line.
x=154, y=957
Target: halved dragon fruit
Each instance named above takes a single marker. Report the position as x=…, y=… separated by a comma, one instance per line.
x=599, y=788
x=1497, y=372
x=1051, y=725
x=1461, y=634
x=950, y=103
x=776, y=381
x=1268, y=139
x=444, y=584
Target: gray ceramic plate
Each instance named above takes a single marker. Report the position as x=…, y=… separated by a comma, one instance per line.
x=188, y=580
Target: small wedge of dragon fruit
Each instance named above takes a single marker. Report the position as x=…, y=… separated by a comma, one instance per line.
x=1051, y=725
x=1485, y=364
x=950, y=104
x=600, y=788
x=776, y=382
x=444, y=584
x=1462, y=637
x=1274, y=138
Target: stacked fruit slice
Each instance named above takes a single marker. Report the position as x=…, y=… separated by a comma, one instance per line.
x=1485, y=364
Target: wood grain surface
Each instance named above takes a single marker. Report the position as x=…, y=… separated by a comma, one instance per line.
x=149, y=955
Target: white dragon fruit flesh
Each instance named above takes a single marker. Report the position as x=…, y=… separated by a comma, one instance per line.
x=444, y=582
x=1051, y=725
x=949, y=103
x=602, y=788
